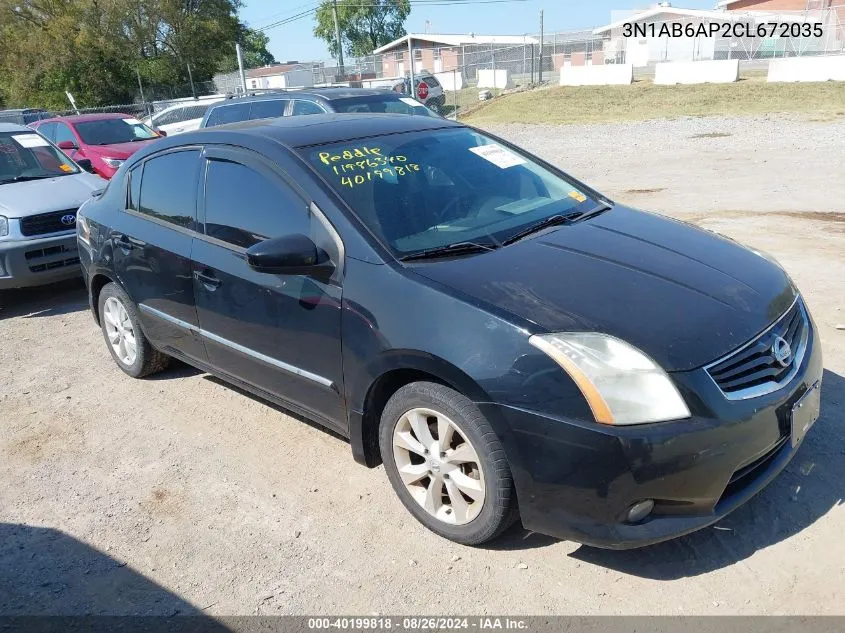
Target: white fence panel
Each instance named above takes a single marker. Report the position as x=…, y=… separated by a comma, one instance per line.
x=601, y=75
x=494, y=79
x=704, y=72
x=450, y=80
x=830, y=68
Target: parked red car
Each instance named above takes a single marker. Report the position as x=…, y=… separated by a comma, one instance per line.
x=104, y=139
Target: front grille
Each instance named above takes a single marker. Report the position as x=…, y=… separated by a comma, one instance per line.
x=748, y=474
x=40, y=268
x=47, y=223
x=754, y=369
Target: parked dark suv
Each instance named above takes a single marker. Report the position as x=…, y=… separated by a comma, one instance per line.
x=23, y=116
x=499, y=334
x=316, y=101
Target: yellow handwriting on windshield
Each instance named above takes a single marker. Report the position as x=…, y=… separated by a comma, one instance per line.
x=349, y=154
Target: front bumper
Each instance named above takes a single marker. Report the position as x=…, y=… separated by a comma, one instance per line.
x=576, y=480
x=34, y=262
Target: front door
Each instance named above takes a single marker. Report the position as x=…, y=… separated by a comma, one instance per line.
x=280, y=333
x=152, y=249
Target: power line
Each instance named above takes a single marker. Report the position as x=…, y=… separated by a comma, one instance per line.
x=429, y=3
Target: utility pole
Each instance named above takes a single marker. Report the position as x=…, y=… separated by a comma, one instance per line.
x=241, y=66
x=412, y=91
x=339, y=42
x=141, y=88
x=540, y=69
x=191, y=79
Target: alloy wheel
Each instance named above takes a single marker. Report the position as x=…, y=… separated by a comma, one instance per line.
x=120, y=332
x=439, y=466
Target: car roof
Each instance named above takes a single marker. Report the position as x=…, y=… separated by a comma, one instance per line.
x=82, y=118
x=15, y=127
x=190, y=104
x=300, y=131
x=319, y=129
x=21, y=110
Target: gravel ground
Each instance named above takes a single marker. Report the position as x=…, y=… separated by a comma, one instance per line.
x=179, y=494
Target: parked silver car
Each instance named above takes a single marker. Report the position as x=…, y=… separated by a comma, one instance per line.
x=40, y=192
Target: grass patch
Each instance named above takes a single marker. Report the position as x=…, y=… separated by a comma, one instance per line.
x=643, y=101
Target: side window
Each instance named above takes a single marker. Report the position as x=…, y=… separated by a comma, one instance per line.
x=169, y=188
x=167, y=118
x=267, y=109
x=47, y=130
x=244, y=207
x=228, y=114
x=134, y=198
x=63, y=133
x=306, y=107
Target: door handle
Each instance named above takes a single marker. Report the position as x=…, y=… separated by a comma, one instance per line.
x=124, y=243
x=210, y=282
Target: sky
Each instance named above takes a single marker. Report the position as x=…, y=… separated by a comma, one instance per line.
x=295, y=40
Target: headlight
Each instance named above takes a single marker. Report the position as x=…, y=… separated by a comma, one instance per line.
x=621, y=384
x=4, y=226
x=114, y=163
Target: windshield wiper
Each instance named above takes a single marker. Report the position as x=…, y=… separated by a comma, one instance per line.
x=459, y=248
x=25, y=178
x=554, y=220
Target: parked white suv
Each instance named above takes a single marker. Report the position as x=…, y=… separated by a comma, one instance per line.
x=182, y=117
x=41, y=190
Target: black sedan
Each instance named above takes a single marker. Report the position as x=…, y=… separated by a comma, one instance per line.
x=506, y=340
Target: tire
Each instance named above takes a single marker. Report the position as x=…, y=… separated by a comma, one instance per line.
x=442, y=492
x=146, y=360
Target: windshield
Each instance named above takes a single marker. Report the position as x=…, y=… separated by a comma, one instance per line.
x=426, y=190
x=113, y=131
x=388, y=103
x=28, y=156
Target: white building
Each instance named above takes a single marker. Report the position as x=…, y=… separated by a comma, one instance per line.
x=280, y=76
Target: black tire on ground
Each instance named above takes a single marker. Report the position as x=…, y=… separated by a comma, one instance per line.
x=148, y=360
x=499, y=510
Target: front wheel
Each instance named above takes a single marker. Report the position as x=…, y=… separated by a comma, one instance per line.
x=128, y=346
x=446, y=463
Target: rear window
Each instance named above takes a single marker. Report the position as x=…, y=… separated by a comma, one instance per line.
x=267, y=109
x=387, y=103
x=233, y=113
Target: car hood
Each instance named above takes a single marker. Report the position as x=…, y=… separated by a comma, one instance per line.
x=120, y=151
x=683, y=295
x=31, y=197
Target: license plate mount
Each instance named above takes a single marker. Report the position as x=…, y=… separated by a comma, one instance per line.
x=805, y=412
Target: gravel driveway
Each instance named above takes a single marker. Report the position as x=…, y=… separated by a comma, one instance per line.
x=180, y=493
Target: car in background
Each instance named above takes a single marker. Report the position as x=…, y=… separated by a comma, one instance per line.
x=179, y=118
x=506, y=340
x=427, y=90
x=23, y=116
x=40, y=192
x=105, y=139
x=312, y=101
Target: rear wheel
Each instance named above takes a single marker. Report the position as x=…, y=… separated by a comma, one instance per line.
x=446, y=464
x=128, y=346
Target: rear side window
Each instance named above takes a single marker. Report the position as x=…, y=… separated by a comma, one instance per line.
x=272, y=210
x=169, y=188
x=267, y=109
x=306, y=107
x=135, y=188
x=47, y=130
x=228, y=114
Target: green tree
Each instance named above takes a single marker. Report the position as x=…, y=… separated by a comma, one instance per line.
x=364, y=26
x=94, y=48
x=254, y=48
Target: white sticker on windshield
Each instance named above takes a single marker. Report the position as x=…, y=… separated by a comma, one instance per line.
x=133, y=121
x=410, y=102
x=498, y=155
x=30, y=140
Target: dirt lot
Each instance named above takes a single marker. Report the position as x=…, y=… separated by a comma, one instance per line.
x=180, y=493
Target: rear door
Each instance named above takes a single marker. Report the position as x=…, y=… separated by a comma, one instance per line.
x=280, y=333
x=152, y=249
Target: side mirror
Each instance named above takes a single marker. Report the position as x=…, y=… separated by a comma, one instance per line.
x=290, y=255
x=85, y=163
x=160, y=132
x=65, y=145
